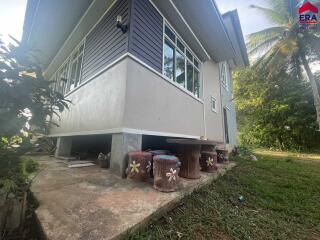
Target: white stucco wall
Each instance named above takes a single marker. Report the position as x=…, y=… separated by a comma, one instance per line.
x=97, y=107
x=129, y=97
x=154, y=104
x=214, y=126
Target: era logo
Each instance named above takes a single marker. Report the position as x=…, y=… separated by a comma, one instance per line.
x=308, y=14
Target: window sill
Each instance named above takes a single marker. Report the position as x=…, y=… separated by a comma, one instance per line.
x=181, y=88
x=143, y=64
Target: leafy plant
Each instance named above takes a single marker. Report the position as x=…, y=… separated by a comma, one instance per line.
x=27, y=103
x=287, y=45
x=275, y=110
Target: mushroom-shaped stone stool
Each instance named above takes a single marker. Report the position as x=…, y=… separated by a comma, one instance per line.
x=166, y=171
x=208, y=161
x=155, y=153
x=139, y=165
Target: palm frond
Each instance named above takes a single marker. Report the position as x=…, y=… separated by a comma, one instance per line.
x=261, y=36
x=273, y=15
x=262, y=47
x=264, y=57
x=271, y=60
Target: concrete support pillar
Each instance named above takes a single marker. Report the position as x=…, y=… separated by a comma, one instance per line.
x=122, y=143
x=63, y=148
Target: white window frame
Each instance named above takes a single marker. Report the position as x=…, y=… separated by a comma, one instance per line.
x=223, y=70
x=213, y=109
x=68, y=62
x=176, y=48
x=72, y=61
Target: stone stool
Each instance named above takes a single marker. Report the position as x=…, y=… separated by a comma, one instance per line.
x=155, y=153
x=166, y=171
x=223, y=156
x=208, y=148
x=139, y=165
x=208, y=161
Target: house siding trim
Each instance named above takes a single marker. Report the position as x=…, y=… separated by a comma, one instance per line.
x=73, y=31
x=124, y=130
x=106, y=42
x=147, y=46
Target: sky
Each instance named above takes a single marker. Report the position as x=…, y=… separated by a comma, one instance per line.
x=12, y=17
x=251, y=20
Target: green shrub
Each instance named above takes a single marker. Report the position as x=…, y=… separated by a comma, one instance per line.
x=30, y=165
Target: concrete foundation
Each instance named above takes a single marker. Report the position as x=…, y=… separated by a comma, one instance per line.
x=122, y=143
x=64, y=145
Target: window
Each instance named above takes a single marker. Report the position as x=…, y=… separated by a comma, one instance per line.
x=189, y=76
x=168, y=59
x=62, y=78
x=196, y=82
x=180, y=68
x=226, y=130
x=223, y=75
x=179, y=63
x=213, y=104
x=75, y=68
x=68, y=75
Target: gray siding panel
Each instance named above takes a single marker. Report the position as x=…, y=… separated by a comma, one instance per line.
x=106, y=42
x=146, y=34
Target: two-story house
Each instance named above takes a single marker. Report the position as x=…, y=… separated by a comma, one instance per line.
x=136, y=70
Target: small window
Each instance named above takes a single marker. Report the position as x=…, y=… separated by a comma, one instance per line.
x=168, y=59
x=226, y=128
x=75, y=68
x=68, y=75
x=223, y=75
x=213, y=104
x=170, y=34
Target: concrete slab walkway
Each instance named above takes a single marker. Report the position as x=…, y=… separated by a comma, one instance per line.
x=91, y=203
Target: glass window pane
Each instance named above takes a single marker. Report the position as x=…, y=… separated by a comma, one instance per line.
x=189, y=55
x=196, y=83
x=168, y=59
x=189, y=76
x=180, y=45
x=81, y=48
x=63, y=78
x=213, y=104
x=223, y=75
x=180, y=69
x=78, y=70
x=196, y=63
x=169, y=33
x=73, y=75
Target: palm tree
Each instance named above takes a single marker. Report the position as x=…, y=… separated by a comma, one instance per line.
x=287, y=44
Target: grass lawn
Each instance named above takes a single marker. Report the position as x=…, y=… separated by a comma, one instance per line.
x=281, y=201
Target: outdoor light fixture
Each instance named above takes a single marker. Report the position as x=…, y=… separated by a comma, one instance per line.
x=123, y=27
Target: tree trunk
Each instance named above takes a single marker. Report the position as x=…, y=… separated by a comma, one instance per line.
x=314, y=86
